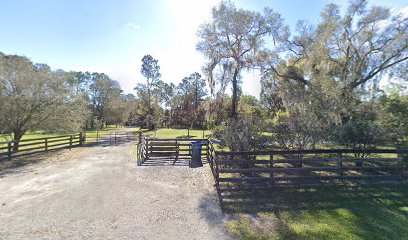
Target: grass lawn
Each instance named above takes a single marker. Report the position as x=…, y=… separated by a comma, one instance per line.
x=376, y=212
x=29, y=136
x=177, y=133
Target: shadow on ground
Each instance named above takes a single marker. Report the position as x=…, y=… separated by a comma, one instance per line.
x=182, y=162
x=16, y=164
x=369, y=212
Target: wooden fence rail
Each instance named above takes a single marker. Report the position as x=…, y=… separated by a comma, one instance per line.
x=283, y=167
x=307, y=167
x=167, y=148
x=42, y=145
x=39, y=145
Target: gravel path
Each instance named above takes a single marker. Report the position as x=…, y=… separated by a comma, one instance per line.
x=100, y=193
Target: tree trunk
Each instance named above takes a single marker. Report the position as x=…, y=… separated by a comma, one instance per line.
x=18, y=134
x=196, y=96
x=149, y=98
x=234, y=104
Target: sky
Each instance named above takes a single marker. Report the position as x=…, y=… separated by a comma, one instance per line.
x=112, y=36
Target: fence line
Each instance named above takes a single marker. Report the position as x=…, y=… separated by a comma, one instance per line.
x=283, y=167
x=39, y=145
x=43, y=145
x=307, y=167
x=110, y=137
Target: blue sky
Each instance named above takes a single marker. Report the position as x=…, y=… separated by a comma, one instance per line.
x=112, y=36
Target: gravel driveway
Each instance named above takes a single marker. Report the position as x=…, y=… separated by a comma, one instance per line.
x=100, y=193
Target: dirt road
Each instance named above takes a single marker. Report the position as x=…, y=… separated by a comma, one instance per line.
x=100, y=193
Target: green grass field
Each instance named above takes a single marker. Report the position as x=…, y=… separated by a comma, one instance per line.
x=177, y=133
x=29, y=136
x=377, y=212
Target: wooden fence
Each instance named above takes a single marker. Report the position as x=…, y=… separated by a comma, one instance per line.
x=43, y=145
x=307, y=167
x=260, y=169
x=167, y=148
x=38, y=145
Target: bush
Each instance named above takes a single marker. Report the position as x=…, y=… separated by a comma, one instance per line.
x=299, y=131
x=360, y=135
x=239, y=135
x=362, y=131
x=150, y=122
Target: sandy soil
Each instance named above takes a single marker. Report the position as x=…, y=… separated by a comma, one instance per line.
x=100, y=193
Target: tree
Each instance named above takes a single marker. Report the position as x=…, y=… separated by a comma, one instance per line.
x=197, y=88
x=152, y=93
x=217, y=109
x=118, y=110
x=187, y=101
x=250, y=109
x=151, y=71
x=232, y=41
x=193, y=88
x=352, y=50
x=168, y=93
x=395, y=116
x=35, y=98
x=103, y=93
x=80, y=81
x=327, y=69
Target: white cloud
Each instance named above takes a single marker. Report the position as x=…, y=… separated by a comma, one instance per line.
x=251, y=82
x=404, y=11
x=132, y=26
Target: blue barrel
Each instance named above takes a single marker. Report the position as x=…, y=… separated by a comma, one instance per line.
x=196, y=155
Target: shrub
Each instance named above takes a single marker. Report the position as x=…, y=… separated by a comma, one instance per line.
x=362, y=131
x=239, y=135
x=299, y=131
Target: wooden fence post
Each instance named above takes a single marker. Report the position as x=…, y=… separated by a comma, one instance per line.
x=97, y=135
x=81, y=140
x=115, y=137
x=9, y=149
x=177, y=151
x=217, y=174
x=46, y=144
x=206, y=153
x=140, y=137
x=340, y=164
x=147, y=148
x=271, y=166
x=70, y=142
x=208, y=149
x=203, y=134
x=401, y=167
x=188, y=133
